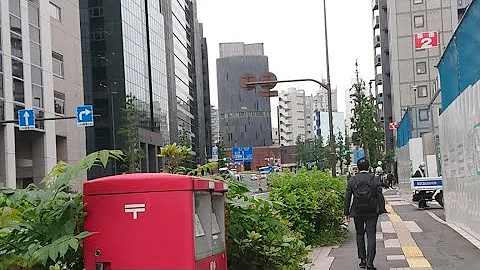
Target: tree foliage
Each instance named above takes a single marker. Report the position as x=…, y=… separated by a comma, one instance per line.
x=313, y=202
x=312, y=151
x=222, y=153
x=173, y=156
x=130, y=130
x=368, y=131
x=258, y=237
x=43, y=228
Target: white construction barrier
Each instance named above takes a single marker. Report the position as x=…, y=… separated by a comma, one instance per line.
x=460, y=150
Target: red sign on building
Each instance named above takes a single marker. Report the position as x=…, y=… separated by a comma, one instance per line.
x=393, y=126
x=426, y=40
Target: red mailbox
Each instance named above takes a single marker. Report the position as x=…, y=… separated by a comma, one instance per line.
x=155, y=221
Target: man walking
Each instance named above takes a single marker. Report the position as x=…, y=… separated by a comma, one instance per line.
x=368, y=203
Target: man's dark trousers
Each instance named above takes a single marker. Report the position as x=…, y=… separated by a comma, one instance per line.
x=368, y=225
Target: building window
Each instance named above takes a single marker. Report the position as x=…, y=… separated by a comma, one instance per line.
x=16, y=43
x=18, y=91
x=57, y=64
x=418, y=21
x=421, y=67
x=37, y=95
x=423, y=114
x=422, y=91
x=97, y=12
x=14, y=6
x=17, y=69
x=418, y=1
x=59, y=101
x=55, y=12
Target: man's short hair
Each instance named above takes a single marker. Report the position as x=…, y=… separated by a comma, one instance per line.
x=363, y=164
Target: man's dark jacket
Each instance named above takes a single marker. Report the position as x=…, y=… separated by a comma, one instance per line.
x=349, y=210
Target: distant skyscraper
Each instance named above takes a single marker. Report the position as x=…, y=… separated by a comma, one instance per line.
x=320, y=100
x=215, y=125
x=244, y=115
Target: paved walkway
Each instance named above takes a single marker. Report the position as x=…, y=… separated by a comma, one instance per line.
x=407, y=239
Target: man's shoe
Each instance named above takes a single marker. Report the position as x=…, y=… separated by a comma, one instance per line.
x=371, y=267
x=363, y=264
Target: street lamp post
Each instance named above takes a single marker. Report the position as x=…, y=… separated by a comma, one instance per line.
x=333, y=159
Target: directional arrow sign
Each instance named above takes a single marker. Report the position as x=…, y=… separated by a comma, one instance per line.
x=26, y=119
x=85, y=115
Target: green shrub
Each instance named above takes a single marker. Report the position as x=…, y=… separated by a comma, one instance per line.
x=43, y=228
x=258, y=237
x=313, y=202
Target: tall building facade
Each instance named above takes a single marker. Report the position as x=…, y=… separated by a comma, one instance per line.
x=40, y=51
x=406, y=77
x=245, y=118
x=150, y=50
x=295, y=113
x=207, y=112
x=185, y=78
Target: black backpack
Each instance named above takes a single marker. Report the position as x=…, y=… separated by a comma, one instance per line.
x=364, y=196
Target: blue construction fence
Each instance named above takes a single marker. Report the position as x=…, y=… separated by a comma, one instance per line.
x=459, y=66
x=404, y=131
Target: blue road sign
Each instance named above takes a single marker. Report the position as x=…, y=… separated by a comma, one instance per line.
x=85, y=115
x=242, y=154
x=215, y=153
x=26, y=119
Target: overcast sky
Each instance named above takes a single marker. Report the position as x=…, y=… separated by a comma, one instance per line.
x=293, y=36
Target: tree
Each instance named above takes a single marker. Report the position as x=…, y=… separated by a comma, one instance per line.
x=312, y=150
x=368, y=131
x=185, y=140
x=174, y=156
x=133, y=150
x=340, y=149
x=222, y=153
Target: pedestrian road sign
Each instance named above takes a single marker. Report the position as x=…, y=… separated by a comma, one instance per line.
x=85, y=115
x=26, y=119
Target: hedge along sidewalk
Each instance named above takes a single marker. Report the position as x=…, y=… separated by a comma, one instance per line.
x=320, y=258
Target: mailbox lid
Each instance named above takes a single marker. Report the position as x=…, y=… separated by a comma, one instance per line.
x=147, y=182
x=137, y=183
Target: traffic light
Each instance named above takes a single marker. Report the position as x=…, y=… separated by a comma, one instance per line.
x=225, y=159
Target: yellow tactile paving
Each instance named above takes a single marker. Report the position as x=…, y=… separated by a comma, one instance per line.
x=412, y=252
x=410, y=249
x=418, y=263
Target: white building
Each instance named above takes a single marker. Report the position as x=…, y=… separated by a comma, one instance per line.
x=40, y=70
x=294, y=116
x=320, y=100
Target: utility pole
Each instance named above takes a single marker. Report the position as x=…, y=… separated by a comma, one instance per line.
x=333, y=159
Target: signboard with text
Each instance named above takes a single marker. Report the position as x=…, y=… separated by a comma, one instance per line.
x=242, y=154
x=426, y=40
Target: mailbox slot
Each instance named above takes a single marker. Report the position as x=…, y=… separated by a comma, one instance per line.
x=218, y=223
x=202, y=224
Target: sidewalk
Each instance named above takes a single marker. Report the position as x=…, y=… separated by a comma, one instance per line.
x=407, y=238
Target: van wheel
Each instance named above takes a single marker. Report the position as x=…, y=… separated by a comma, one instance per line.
x=439, y=198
